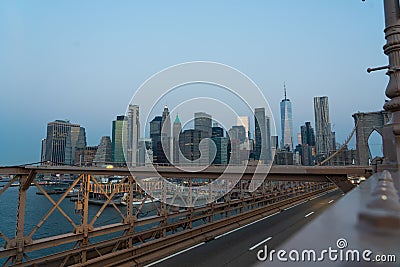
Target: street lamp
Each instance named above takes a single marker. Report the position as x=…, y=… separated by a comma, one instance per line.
x=391, y=131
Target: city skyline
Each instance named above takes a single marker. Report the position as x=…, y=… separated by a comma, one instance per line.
x=126, y=139
x=101, y=63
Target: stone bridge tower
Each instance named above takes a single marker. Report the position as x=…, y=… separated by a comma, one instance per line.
x=365, y=124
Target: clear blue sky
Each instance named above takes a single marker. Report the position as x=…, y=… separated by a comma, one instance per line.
x=83, y=60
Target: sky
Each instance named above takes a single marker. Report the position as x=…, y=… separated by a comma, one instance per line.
x=84, y=60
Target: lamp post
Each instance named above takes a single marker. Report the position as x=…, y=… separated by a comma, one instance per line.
x=391, y=131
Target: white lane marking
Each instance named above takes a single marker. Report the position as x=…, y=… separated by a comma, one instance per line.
x=227, y=233
x=308, y=214
x=315, y=197
x=173, y=255
x=323, y=194
x=262, y=242
x=237, y=229
x=295, y=205
x=330, y=201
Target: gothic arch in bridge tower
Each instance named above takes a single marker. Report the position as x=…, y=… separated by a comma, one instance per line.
x=366, y=123
x=375, y=145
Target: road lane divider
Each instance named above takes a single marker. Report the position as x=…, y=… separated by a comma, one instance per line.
x=260, y=243
x=308, y=214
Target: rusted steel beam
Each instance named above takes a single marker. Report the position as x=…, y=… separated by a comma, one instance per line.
x=29, y=180
x=68, y=238
x=14, y=171
x=85, y=218
x=198, y=214
x=55, y=206
x=109, y=199
x=210, y=172
x=342, y=182
x=130, y=219
x=19, y=235
x=16, y=177
x=203, y=232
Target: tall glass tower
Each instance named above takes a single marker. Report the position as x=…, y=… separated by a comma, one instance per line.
x=166, y=134
x=262, y=136
x=119, y=129
x=286, y=123
x=133, y=135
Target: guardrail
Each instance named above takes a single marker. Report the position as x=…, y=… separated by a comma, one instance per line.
x=165, y=227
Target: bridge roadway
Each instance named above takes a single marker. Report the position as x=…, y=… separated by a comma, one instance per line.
x=239, y=247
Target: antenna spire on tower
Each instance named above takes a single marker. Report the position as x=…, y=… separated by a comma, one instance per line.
x=284, y=89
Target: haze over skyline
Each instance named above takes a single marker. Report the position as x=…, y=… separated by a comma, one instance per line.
x=83, y=61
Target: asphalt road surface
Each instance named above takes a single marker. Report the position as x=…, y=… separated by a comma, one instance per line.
x=240, y=246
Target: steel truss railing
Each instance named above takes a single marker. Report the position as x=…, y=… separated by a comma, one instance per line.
x=136, y=236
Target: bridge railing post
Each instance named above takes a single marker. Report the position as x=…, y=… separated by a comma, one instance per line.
x=130, y=218
x=20, y=226
x=85, y=216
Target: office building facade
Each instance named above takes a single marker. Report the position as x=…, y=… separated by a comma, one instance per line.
x=203, y=122
x=176, y=130
x=244, y=121
x=104, y=152
x=119, y=129
x=133, y=135
x=324, y=138
x=262, y=136
x=62, y=140
x=166, y=134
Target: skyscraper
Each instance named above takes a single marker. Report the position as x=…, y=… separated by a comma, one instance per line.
x=244, y=121
x=260, y=137
x=239, y=133
x=63, y=138
x=307, y=146
x=76, y=139
x=307, y=134
x=145, y=152
x=189, y=141
x=268, y=141
x=176, y=129
x=166, y=134
x=217, y=131
x=119, y=129
x=133, y=135
x=221, y=156
x=43, y=151
x=324, y=137
x=89, y=154
x=286, y=123
x=203, y=122
x=236, y=135
x=155, y=135
x=103, y=153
